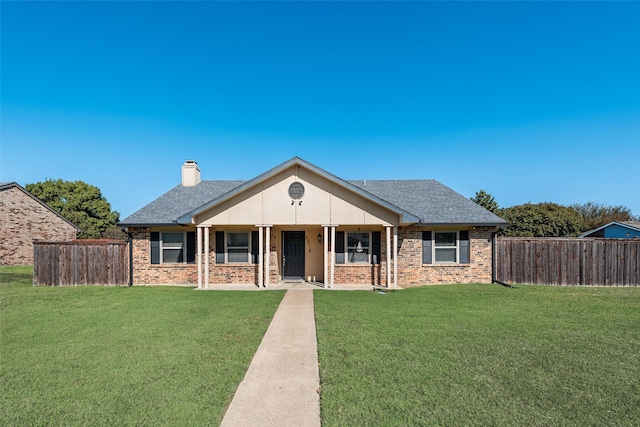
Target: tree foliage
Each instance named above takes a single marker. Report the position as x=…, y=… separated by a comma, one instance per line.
x=487, y=201
x=596, y=215
x=542, y=220
x=551, y=219
x=114, y=233
x=80, y=203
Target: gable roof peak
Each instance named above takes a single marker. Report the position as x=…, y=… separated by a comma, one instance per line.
x=188, y=217
x=418, y=201
x=633, y=225
x=9, y=185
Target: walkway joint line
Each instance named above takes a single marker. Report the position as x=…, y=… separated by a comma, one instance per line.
x=281, y=385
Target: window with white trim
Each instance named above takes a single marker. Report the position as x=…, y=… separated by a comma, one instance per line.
x=171, y=247
x=358, y=248
x=445, y=247
x=237, y=247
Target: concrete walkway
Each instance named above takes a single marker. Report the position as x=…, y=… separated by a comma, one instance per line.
x=281, y=386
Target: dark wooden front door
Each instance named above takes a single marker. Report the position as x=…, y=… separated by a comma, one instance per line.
x=293, y=254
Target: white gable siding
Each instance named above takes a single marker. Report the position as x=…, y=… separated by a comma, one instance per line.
x=323, y=202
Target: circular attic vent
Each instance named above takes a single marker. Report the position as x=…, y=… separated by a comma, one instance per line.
x=296, y=190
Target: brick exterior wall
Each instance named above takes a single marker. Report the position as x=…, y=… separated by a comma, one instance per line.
x=23, y=220
x=411, y=271
x=146, y=273
x=241, y=273
x=359, y=274
x=166, y=274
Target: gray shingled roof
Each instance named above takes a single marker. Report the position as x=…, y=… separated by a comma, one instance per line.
x=429, y=200
x=167, y=208
x=296, y=161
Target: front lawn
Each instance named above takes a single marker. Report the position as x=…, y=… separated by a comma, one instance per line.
x=81, y=356
x=480, y=355
x=440, y=355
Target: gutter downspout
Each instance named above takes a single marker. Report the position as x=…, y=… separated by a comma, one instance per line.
x=493, y=260
x=130, y=257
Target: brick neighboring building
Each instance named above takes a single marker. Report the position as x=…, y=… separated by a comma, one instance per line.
x=297, y=222
x=23, y=219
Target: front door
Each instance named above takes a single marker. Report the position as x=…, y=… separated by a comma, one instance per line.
x=293, y=255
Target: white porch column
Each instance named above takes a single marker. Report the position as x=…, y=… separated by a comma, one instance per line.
x=388, y=256
x=206, y=257
x=267, y=256
x=395, y=256
x=325, y=256
x=260, y=256
x=333, y=255
x=199, y=256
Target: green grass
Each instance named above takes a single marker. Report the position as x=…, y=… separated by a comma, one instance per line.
x=114, y=356
x=480, y=355
x=441, y=355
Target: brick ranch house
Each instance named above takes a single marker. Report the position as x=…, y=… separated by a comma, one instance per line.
x=297, y=222
x=25, y=218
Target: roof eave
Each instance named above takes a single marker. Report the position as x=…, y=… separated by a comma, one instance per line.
x=621, y=224
x=147, y=224
x=409, y=219
x=461, y=224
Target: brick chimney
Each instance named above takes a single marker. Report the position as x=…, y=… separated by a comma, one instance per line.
x=190, y=173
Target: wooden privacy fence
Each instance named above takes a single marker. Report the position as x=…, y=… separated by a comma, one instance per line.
x=81, y=262
x=570, y=261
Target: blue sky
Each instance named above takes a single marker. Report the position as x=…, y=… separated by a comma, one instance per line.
x=530, y=101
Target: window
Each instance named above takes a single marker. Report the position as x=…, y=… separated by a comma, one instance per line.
x=238, y=247
x=445, y=247
x=358, y=248
x=173, y=247
x=361, y=248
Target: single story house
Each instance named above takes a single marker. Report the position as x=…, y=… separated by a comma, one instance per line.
x=298, y=222
x=25, y=218
x=616, y=230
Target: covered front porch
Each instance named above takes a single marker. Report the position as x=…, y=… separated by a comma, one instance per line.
x=289, y=256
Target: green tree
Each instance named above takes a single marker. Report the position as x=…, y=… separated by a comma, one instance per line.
x=596, y=215
x=487, y=201
x=114, y=233
x=80, y=203
x=542, y=220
